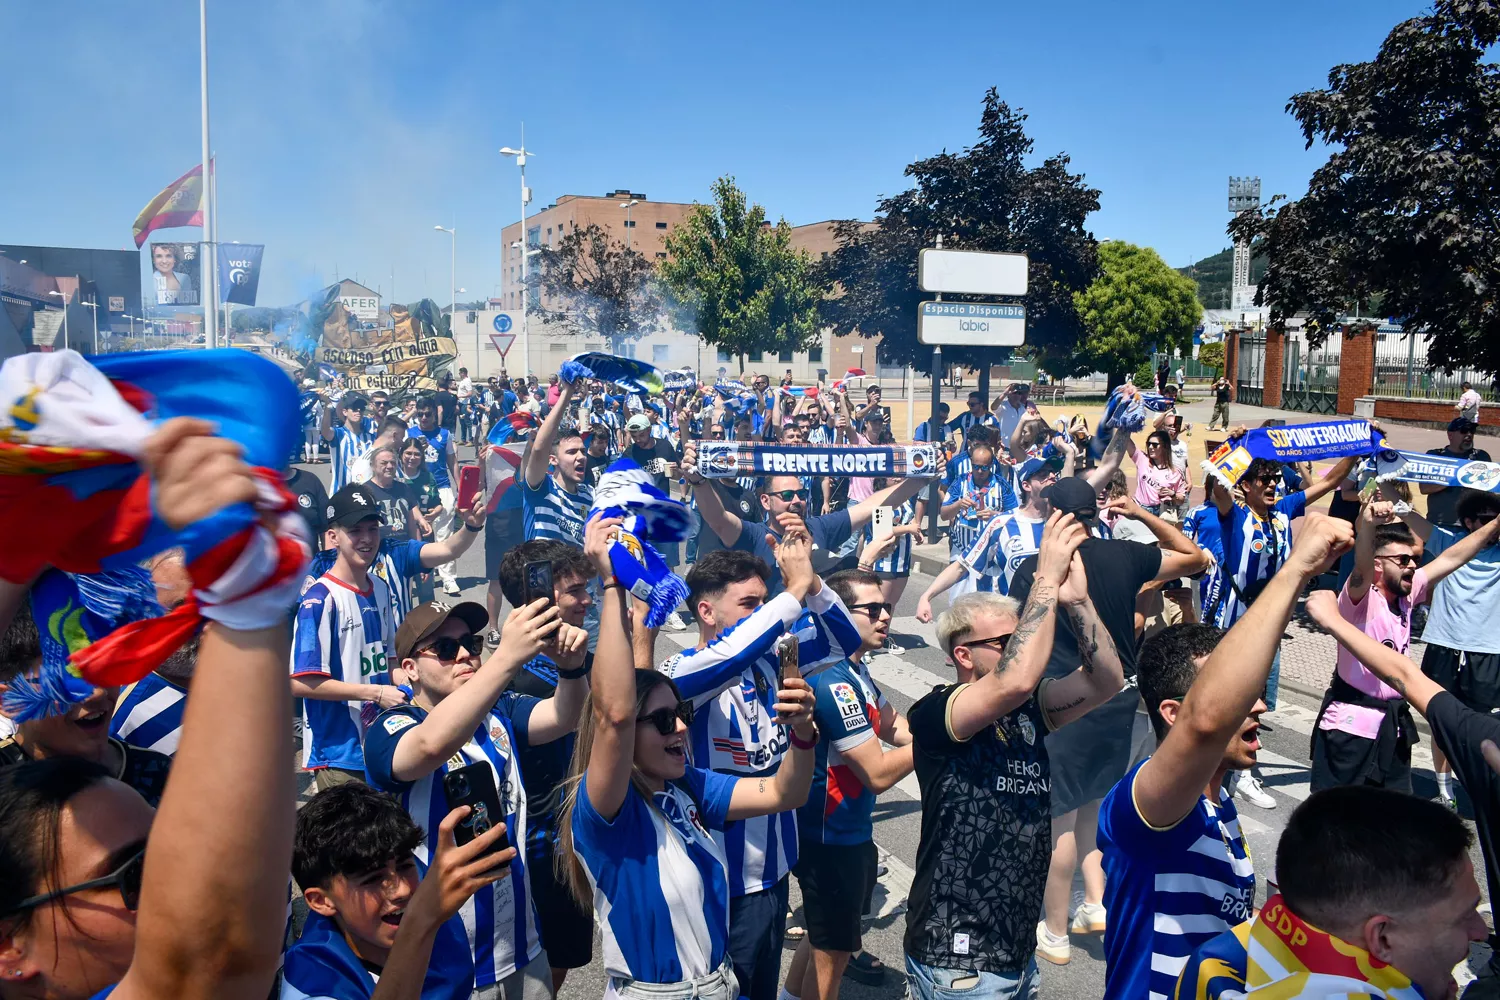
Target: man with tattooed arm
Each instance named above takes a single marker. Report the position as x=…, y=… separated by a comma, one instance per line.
x=982, y=764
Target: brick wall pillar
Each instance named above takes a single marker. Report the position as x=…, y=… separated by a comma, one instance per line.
x=1356, y=366
x=1232, y=360
x=1272, y=376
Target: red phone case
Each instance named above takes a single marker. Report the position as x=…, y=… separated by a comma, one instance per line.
x=470, y=482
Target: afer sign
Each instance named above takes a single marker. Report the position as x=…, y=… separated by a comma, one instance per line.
x=362, y=306
x=978, y=324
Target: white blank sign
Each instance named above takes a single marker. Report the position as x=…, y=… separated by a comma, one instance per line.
x=972, y=272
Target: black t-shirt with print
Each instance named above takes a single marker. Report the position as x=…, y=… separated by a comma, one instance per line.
x=396, y=502
x=654, y=460
x=144, y=770
x=312, y=502
x=986, y=838
x=1458, y=730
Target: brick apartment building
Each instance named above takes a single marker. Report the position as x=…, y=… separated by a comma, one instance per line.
x=646, y=224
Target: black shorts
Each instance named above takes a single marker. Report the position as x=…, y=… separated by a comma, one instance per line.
x=1473, y=678
x=837, y=883
x=502, y=532
x=1340, y=758
x=567, y=929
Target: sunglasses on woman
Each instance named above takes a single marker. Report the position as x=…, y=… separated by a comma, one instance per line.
x=446, y=647
x=127, y=878
x=665, y=719
x=787, y=496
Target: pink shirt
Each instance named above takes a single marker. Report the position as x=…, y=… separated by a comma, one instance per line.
x=1149, y=480
x=1375, y=619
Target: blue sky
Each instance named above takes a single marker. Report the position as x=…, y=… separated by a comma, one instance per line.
x=346, y=129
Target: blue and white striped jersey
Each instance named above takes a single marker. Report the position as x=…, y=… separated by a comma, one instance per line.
x=549, y=511
x=997, y=495
x=966, y=421
x=732, y=683
x=342, y=633
x=150, y=715
x=661, y=890
x=1203, y=525
x=1254, y=550
x=1168, y=891
x=346, y=447
x=1002, y=546
x=499, y=919
x=398, y=563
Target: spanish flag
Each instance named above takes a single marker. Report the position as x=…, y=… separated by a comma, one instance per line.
x=179, y=204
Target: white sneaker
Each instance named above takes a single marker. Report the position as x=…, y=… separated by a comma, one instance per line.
x=1090, y=919
x=451, y=589
x=893, y=649
x=1056, y=950
x=1252, y=791
x=674, y=623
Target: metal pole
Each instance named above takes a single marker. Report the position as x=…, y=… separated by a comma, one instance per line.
x=453, y=283
x=525, y=328
x=95, y=307
x=934, y=494
x=210, y=308
x=1411, y=361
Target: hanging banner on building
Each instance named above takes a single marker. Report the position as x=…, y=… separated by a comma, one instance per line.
x=239, y=271
x=728, y=459
x=362, y=307
x=430, y=347
x=410, y=382
x=175, y=273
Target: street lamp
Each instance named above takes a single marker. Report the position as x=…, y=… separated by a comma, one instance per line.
x=520, y=155
x=452, y=271
x=64, y=298
x=94, y=305
x=627, y=206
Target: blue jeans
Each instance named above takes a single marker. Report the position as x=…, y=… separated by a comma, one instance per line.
x=928, y=983
x=1272, y=680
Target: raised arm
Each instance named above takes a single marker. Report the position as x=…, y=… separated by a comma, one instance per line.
x=539, y=455
x=557, y=716
x=710, y=507
x=1229, y=685
x=224, y=829
x=450, y=724
x=1009, y=685
x=1179, y=555
x=1390, y=666
x=1419, y=525
x=1363, y=573
x=1114, y=454
x=1462, y=551
x=456, y=544
x=612, y=756
x=1100, y=675
x=896, y=494
x=1331, y=480
x=325, y=423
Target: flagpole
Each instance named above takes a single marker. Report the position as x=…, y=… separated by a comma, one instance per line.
x=210, y=259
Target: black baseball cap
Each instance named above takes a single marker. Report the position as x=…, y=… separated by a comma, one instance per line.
x=1073, y=496
x=425, y=619
x=353, y=504
x=353, y=401
x=1462, y=424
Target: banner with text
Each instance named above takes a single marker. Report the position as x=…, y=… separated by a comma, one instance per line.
x=430, y=347
x=1439, y=470
x=410, y=382
x=239, y=272
x=729, y=459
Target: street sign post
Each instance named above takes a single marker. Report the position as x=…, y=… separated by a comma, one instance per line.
x=978, y=324
x=502, y=341
x=972, y=272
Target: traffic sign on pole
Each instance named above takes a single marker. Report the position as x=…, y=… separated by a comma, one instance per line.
x=972, y=272
x=502, y=342
x=979, y=324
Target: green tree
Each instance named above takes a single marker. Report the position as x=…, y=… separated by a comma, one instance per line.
x=1137, y=304
x=984, y=198
x=1212, y=356
x=594, y=285
x=1405, y=208
x=737, y=280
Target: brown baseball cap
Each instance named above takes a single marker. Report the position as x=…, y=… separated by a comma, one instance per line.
x=425, y=619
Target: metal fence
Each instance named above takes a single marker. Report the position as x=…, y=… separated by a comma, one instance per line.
x=1310, y=379
x=1249, y=386
x=1401, y=371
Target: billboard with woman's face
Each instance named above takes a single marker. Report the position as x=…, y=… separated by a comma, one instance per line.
x=174, y=273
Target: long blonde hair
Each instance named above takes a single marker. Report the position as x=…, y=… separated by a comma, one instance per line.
x=569, y=869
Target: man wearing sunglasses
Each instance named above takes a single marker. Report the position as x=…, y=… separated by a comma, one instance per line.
x=836, y=856
x=1365, y=730
x=731, y=679
x=976, y=497
x=985, y=774
x=461, y=714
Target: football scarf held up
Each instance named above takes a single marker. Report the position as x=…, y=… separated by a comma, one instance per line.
x=625, y=490
x=731, y=459
x=1329, y=439
x=1289, y=957
x=1439, y=470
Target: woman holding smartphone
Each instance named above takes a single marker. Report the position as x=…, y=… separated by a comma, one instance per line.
x=634, y=840
x=1159, y=484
